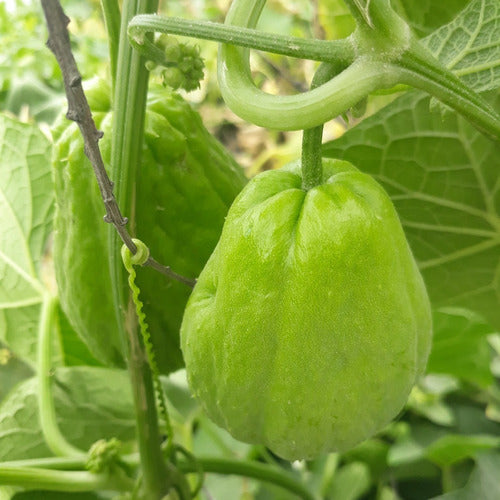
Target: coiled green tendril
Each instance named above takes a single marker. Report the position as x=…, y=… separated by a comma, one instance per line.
x=129, y=261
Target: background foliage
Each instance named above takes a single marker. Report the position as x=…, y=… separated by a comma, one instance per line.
x=441, y=173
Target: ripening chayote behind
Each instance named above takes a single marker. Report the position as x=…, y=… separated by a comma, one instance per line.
x=184, y=187
x=310, y=323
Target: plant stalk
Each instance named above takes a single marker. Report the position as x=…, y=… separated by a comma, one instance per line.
x=215, y=465
x=129, y=108
x=303, y=48
x=67, y=481
x=111, y=12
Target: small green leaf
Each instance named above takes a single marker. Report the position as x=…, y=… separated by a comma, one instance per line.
x=26, y=207
x=460, y=346
x=91, y=403
x=372, y=453
x=454, y=448
x=350, y=482
x=424, y=16
x=431, y=407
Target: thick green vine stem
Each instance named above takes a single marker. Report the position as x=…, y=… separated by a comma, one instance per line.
x=129, y=108
x=317, y=50
x=254, y=470
x=380, y=54
x=309, y=109
x=129, y=261
x=386, y=53
x=66, y=481
x=384, y=47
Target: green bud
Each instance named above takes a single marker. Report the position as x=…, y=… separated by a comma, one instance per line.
x=173, y=77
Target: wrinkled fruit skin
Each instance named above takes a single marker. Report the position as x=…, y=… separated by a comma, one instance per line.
x=184, y=187
x=310, y=322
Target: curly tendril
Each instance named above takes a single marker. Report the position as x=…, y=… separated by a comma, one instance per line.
x=129, y=261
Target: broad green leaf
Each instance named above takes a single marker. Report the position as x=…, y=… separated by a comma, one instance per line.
x=74, y=351
x=460, y=346
x=484, y=482
x=442, y=176
x=470, y=45
x=424, y=16
x=12, y=371
x=26, y=205
x=91, y=403
x=454, y=448
x=43, y=103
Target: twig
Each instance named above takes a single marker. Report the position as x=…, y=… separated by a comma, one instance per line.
x=79, y=112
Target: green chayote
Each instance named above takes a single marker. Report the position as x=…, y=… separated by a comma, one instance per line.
x=310, y=322
x=184, y=187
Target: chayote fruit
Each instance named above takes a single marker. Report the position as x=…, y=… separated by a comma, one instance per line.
x=310, y=322
x=184, y=187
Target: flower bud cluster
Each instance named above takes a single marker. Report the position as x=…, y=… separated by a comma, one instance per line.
x=182, y=64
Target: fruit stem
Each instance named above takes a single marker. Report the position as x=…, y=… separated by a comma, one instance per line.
x=312, y=169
